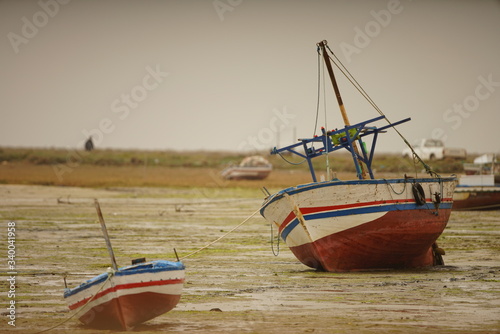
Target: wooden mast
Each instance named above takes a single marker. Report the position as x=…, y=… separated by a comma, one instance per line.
x=322, y=45
x=106, y=236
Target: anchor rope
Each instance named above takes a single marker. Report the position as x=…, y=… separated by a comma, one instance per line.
x=221, y=237
x=361, y=90
x=111, y=273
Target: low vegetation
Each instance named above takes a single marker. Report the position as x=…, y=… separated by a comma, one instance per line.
x=101, y=168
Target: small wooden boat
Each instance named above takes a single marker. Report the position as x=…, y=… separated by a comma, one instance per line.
x=125, y=297
x=361, y=224
x=129, y=296
x=477, y=192
x=250, y=168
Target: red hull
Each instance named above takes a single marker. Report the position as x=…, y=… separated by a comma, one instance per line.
x=127, y=311
x=399, y=239
x=478, y=200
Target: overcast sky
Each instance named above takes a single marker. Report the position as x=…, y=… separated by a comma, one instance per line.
x=242, y=74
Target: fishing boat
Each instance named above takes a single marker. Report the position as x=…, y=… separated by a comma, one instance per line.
x=251, y=168
x=365, y=223
x=124, y=297
x=129, y=296
x=476, y=198
x=479, y=188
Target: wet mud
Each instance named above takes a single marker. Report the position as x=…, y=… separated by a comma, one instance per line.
x=236, y=285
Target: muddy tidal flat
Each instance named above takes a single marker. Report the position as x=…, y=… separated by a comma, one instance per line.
x=236, y=285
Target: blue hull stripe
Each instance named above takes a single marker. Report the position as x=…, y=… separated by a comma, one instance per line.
x=156, y=266
x=316, y=185
x=358, y=211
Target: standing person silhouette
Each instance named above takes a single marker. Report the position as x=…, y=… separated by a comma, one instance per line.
x=89, y=145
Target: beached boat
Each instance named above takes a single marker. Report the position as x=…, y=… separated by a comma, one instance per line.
x=476, y=198
x=250, y=168
x=129, y=296
x=478, y=189
x=125, y=297
x=360, y=224
x=477, y=192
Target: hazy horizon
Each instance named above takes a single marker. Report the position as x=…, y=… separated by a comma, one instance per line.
x=243, y=75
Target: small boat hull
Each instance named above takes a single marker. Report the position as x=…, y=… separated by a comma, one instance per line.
x=362, y=224
x=251, y=168
x=130, y=296
x=246, y=173
x=476, y=198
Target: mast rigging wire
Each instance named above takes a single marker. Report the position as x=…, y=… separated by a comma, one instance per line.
x=361, y=90
x=318, y=99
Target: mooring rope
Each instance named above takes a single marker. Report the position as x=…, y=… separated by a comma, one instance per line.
x=111, y=273
x=221, y=237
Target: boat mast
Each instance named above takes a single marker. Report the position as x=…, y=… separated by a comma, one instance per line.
x=106, y=236
x=322, y=45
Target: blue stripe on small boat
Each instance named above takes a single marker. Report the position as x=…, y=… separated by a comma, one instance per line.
x=289, y=228
x=141, y=268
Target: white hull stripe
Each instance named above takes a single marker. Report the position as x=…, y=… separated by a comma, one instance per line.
x=390, y=206
x=167, y=288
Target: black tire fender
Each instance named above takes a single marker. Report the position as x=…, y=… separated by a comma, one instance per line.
x=418, y=193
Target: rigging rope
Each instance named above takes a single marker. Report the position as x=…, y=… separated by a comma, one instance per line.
x=319, y=85
x=290, y=162
x=360, y=89
x=394, y=191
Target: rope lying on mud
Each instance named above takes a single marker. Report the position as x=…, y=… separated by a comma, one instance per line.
x=221, y=237
x=110, y=274
x=80, y=310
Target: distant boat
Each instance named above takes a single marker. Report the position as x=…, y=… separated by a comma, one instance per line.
x=479, y=188
x=360, y=224
x=484, y=165
x=476, y=198
x=250, y=168
x=125, y=297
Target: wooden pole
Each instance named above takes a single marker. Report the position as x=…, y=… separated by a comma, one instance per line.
x=105, y=233
x=322, y=45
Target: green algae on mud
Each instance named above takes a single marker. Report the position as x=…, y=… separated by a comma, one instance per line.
x=256, y=291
